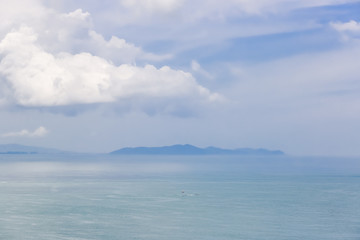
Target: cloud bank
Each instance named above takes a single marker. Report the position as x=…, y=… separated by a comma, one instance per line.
x=39, y=132
x=43, y=67
x=351, y=26
x=348, y=30
x=38, y=78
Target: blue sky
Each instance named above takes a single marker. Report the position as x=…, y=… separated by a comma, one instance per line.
x=94, y=76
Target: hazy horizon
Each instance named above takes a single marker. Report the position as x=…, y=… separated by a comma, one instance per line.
x=96, y=76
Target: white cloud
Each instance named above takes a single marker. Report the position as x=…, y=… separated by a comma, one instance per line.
x=351, y=26
x=196, y=67
x=51, y=59
x=150, y=6
x=71, y=32
x=38, y=78
x=78, y=14
x=39, y=132
x=348, y=31
x=17, y=11
x=119, y=50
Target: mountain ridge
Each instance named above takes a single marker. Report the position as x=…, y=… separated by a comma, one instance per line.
x=23, y=149
x=178, y=149
x=188, y=149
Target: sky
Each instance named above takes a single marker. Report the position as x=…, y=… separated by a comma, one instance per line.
x=96, y=76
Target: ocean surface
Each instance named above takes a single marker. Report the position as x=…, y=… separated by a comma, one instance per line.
x=179, y=197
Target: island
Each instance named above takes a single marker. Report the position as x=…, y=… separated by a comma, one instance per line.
x=188, y=149
x=21, y=149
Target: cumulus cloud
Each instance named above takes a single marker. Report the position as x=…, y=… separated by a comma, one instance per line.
x=38, y=78
x=18, y=11
x=351, y=26
x=347, y=30
x=146, y=6
x=196, y=67
x=56, y=59
x=119, y=50
x=69, y=32
x=39, y=132
x=78, y=14
x=73, y=32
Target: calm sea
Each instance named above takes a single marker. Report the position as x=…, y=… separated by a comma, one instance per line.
x=168, y=197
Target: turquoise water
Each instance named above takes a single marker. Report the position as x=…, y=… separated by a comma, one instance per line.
x=82, y=197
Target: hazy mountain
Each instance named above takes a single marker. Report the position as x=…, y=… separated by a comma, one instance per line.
x=21, y=149
x=192, y=150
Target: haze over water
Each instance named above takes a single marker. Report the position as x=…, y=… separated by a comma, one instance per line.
x=177, y=197
x=96, y=76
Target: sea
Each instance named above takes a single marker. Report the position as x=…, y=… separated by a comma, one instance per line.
x=95, y=196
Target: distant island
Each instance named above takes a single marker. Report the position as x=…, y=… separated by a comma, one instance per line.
x=21, y=149
x=188, y=149
x=17, y=152
x=178, y=149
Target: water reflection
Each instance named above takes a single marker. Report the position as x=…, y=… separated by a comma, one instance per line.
x=92, y=165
